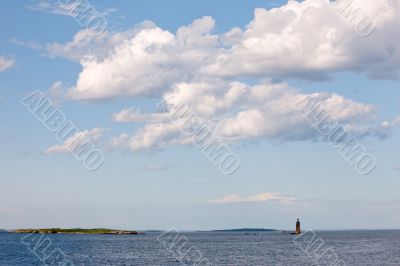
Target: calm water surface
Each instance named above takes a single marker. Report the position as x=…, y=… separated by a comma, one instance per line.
x=219, y=248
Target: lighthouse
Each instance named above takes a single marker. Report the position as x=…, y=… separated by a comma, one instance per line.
x=298, y=230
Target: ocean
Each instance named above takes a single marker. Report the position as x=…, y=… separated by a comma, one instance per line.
x=204, y=248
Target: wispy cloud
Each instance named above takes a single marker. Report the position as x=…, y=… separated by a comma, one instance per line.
x=134, y=115
x=50, y=7
x=55, y=8
x=156, y=167
x=6, y=63
x=262, y=197
x=396, y=121
x=56, y=93
x=92, y=135
x=30, y=44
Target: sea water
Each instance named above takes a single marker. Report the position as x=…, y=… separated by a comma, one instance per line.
x=216, y=248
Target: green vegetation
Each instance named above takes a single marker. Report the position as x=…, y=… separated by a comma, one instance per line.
x=95, y=231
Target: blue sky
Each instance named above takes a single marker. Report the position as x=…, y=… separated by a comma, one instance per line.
x=155, y=180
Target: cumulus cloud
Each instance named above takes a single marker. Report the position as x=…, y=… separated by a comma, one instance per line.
x=146, y=64
x=238, y=111
x=263, y=197
x=6, y=63
x=87, y=44
x=308, y=40
x=151, y=137
x=92, y=135
x=197, y=67
x=312, y=39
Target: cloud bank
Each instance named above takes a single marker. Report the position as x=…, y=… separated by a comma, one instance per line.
x=309, y=40
x=306, y=40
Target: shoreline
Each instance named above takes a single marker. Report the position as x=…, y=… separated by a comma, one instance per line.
x=76, y=231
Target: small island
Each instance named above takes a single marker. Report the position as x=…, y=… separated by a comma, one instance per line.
x=246, y=230
x=96, y=231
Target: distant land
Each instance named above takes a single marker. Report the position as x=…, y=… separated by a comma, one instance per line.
x=96, y=231
x=246, y=230
x=104, y=231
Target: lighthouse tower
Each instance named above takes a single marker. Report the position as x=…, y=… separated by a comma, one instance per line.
x=298, y=230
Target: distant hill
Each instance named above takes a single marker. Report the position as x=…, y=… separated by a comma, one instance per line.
x=3, y=231
x=246, y=230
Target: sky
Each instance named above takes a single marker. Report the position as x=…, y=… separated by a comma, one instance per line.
x=241, y=68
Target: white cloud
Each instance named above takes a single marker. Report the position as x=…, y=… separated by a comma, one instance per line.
x=6, y=63
x=151, y=137
x=50, y=7
x=86, y=44
x=134, y=69
x=238, y=111
x=30, y=44
x=146, y=64
x=384, y=129
x=134, y=115
x=156, y=167
x=311, y=39
x=92, y=135
x=263, y=197
x=56, y=93
x=308, y=40
x=62, y=8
